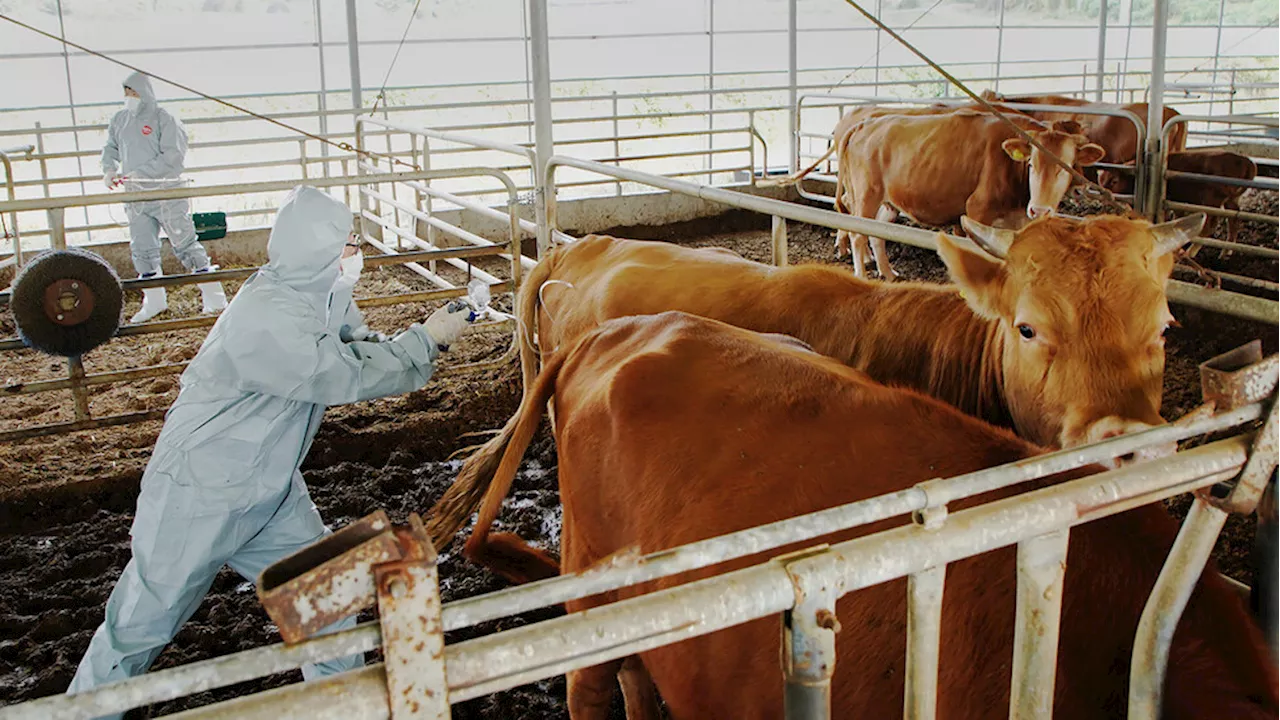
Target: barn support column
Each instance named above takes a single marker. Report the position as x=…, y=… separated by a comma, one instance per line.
x=353, y=56
x=1153, y=158
x=794, y=124
x=1102, y=48
x=544, y=144
x=323, y=97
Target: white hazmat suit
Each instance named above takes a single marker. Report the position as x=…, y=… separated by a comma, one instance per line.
x=146, y=149
x=223, y=486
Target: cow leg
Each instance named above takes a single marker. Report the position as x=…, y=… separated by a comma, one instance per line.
x=885, y=214
x=1233, y=225
x=590, y=690
x=867, y=204
x=843, y=203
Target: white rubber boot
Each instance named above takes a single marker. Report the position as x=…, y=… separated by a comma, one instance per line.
x=154, y=302
x=213, y=297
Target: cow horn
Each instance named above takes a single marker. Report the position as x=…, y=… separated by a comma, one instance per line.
x=1174, y=234
x=995, y=241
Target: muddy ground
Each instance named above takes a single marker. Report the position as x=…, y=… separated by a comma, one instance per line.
x=66, y=503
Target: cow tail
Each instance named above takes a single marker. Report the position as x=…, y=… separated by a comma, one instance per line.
x=462, y=498
x=505, y=553
x=527, y=316
x=797, y=177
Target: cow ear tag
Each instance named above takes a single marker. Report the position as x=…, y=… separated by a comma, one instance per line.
x=1019, y=155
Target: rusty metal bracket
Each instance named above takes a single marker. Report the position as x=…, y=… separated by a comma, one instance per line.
x=1234, y=379
x=366, y=563
x=808, y=640
x=329, y=580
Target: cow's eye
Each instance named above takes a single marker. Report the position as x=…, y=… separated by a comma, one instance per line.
x=1026, y=331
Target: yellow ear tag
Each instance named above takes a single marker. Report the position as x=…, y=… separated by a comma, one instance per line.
x=1019, y=155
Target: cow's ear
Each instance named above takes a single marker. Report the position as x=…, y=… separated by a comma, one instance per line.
x=1089, y=154
x=979, y=276
x=1017, y=148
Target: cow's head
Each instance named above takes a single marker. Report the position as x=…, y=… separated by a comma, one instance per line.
x=1082, y=313
x=1047, y=179
x=1116, y=181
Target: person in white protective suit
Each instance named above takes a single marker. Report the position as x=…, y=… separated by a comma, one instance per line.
x=145, y=150
x=223, y=486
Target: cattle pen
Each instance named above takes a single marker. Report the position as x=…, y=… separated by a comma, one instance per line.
x=468, y=140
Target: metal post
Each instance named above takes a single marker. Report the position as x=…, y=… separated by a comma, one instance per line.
x=353, y=56
x=544, y=145
x=999, y=44
x=879, y=13
x=1126, y=12
x=71, y=105
x=794, y=118
x=1102, y=47
x=323, y=95
x=1154, y=159
x=1168, y=599
x=711, y=87
x=413, y=638
x=617, y=144
x=1042, y=562
x=809, y=645
x=57, y=228
x=924, y=634
x=779, y=241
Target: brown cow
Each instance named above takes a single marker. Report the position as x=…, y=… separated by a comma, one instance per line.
x=673, y=429
x=936, y=168
x=843, y=200
x=1116, y=134
x=851, y=119
x=1204, y=162
x=1062, y=338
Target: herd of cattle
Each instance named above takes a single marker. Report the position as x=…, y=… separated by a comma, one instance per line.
x=695, y=393
x=940, y=162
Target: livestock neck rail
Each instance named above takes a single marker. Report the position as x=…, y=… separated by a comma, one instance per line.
x=1248, y=307
x=374, y=229
x=1241, y=387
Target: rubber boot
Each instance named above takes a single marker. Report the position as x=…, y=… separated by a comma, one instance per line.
x=212, y=297
x=154, y=302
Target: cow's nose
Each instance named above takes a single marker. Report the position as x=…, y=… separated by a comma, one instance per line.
x=1114, y=426
x=1038, y=211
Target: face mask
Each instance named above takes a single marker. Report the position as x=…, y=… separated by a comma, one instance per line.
x=132, y=103
x=349, y=270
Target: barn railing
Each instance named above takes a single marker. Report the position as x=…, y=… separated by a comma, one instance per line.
x=1220, y=301
x=797, y=586
x=78, y=382
x=703, y=107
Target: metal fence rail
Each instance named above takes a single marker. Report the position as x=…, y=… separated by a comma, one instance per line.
x=78, y=382
x=1228, y=303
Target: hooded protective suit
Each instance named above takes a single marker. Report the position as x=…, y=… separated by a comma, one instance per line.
x=150, y=144
x=223, y=485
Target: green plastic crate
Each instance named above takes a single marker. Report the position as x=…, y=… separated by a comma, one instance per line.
x=210, y=225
